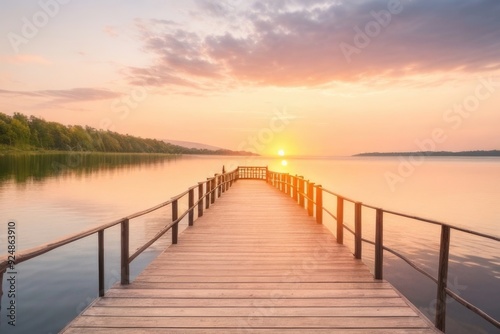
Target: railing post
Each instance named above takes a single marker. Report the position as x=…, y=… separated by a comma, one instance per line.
x=288, y=187
x=237, y=176
x=379, y=245
x=175, y=215
x=340, y=220
x=208, y=192
x=295, y=188
x=301, y=191
x=357, y=230
x=200, y=199
x=191, y=206
x=310, y=198
x=218, y=181
x=444, y=251
x=214, y=189
x=125, y=265
x=223, y=183
x=100, y=241
x=267, y=172
x=319, y=204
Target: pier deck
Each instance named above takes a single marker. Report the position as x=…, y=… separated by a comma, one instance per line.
x=254, y=263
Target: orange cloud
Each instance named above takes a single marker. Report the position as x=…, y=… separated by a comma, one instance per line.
x=25, y=59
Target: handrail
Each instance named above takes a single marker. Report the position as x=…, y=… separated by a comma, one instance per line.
x=214, y=186
x=40, y=250
x=412, y=264
x=296, y=186
x=252, y=172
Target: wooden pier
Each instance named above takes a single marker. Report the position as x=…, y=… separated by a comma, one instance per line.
x=256, y=262
x=259, y=260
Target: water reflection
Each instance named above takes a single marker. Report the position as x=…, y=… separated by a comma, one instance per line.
x=27, y=167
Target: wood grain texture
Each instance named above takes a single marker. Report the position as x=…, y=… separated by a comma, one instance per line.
x=254, y=263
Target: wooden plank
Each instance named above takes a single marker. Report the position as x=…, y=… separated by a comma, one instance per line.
x=249, y=293
x=253, y=266
x=242, y=302
x=260, y=272
x=87, y=330
x=263, y=285
x=251, y=311
x=365, y=277
x=250, y=321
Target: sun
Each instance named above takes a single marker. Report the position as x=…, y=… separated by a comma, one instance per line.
x=281, y=153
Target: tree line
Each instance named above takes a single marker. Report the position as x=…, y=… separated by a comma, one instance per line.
x=33, y=133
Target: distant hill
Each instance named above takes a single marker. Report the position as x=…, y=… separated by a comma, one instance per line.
x=492, y=153
x=189, y=144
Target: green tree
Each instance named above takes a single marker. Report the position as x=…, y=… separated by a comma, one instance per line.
x=20, y=132
x=5, y=137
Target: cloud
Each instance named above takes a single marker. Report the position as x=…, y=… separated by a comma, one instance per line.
x=68, y=95
x=315, y=42
x=24, y=59
x=111, y=31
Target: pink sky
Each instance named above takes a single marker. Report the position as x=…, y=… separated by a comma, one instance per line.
x=311, y=77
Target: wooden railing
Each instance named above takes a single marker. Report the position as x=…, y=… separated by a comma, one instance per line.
x=207, y=191
x=310, y=196
x=252, y=173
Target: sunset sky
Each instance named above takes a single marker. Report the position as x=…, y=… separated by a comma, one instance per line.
x=311, y=77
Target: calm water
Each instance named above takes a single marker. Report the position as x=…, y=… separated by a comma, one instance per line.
x=52, y=196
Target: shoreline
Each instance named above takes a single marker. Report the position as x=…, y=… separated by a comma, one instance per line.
x=478, y=153
x=6, y=150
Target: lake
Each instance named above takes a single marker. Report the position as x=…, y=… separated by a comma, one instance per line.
x=51, y=196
